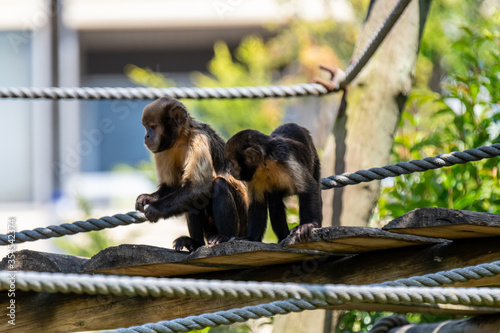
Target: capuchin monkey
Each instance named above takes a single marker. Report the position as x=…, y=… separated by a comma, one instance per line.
x=193, y=177
x=275, y=166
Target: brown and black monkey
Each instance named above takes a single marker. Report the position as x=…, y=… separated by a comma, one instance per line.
x=275, y=166
x=193, y=177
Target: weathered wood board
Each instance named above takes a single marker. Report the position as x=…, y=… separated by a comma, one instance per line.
x=151, y=261
x=145, y=260
x=356, y=240
x=446, y=223
x=61, y=313
x=381, y=266
x=141, y=260
x=27, y=260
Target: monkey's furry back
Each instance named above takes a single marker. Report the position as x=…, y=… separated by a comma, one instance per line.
x=301, y=144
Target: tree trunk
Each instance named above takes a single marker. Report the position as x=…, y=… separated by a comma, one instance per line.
x=362, y=137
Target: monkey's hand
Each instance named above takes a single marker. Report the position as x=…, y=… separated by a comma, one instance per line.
x=186, y=242
x=142, y=201
x=303, y=231
x=152, y=214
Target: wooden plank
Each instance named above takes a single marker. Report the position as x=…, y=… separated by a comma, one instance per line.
x=380, y=266
x=153, y=261
x=446, y=223
x=356, y=240
x=159, y=270
x=27, y=260
x=250, y=254
x=61, y=313
x=141, y=260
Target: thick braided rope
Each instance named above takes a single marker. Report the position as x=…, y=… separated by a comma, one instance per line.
x=228, y=317
x=383, y=325
x=297, y=90
x=72, y=228
x=403, y=168
x=449, y=277
x=164, y=287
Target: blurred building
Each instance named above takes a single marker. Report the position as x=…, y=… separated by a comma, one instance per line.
x=57, y=150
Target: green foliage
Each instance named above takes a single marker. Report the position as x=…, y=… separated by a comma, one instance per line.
x=465, y=116
x=205, y=330
x=359, y=321
x=235, y=328
x=246, y=327
x=362, y=321
x=444, y=24
x=148, y=78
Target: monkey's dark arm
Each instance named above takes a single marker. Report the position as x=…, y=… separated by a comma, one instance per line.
x=188, y=198
x=146, y=199
x=257, y=220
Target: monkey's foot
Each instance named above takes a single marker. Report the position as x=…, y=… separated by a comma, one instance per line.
x=216, y=239
x=337, y=75
x=303, y=231
x=186, y=242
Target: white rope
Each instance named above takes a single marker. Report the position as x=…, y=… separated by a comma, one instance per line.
x=164, y=287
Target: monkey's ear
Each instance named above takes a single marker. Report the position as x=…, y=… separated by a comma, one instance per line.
x=179, y=114
x=254, y=156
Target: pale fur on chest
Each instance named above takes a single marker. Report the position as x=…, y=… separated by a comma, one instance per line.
x=276, y=176
x=188, y=160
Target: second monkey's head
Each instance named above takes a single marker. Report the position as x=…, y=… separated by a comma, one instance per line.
x=165, y=120
x=246, y=151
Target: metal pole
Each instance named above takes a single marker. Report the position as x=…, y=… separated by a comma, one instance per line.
x=54, y=49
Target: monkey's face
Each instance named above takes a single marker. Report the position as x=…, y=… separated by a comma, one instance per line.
x=152, y=139
x=244, y=154
x=164, y=120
